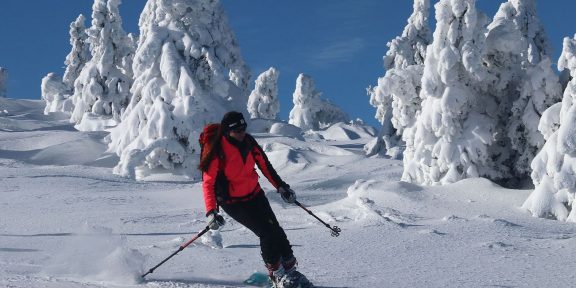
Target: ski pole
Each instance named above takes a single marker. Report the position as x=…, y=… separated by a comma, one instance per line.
x=335, y=230
x=179, y=249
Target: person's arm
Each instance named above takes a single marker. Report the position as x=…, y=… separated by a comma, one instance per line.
x=266, y=168
x=208, y=184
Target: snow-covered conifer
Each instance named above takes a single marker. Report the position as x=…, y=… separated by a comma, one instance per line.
x=263, y=101
x=128, y=57
x=540, y=90
x=80, y=53
x=410, y=48
x=396, y=95
x=103, y=87
x=55, y=94
x=517, y=58
x=455, y=128
x=310, y=111
x=3, y=80
x=554, y=167
x=182, y=69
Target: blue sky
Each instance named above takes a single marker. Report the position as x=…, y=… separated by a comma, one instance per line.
x=340, y=43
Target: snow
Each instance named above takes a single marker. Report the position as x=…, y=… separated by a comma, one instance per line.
x=518, y=58
x=396, y=96
x=56, y=95
x=553, y=167
x=263, y=102
x=454, y=130
x=187, y=64
x=310, y=111
x=102, y=87
x=68, y=221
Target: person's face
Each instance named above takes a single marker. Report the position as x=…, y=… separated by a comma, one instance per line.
x=238, y=134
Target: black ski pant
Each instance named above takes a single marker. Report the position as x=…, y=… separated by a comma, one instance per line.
x=257, y=215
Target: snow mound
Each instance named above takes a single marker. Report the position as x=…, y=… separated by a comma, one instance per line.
x=18, y=106
x=93, y=122
x=346, y=132
x=259, y=125
x=287, y=130
x=365, y=203
x=275, y=127
x=58, y=148
x=26, y=115
x=296, y=155
x=97, y=255
x=284, y=156
x=80, y=151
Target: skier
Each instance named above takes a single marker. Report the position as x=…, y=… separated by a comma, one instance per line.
x=235, y=153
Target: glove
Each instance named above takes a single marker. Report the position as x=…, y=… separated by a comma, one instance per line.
x=215, y=220
x=287, y=194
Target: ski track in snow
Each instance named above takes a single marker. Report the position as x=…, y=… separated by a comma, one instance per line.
x=394, y=234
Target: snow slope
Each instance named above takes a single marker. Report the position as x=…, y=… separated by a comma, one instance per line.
x=67, y=221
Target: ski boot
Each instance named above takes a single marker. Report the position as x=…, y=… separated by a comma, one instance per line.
x=285, y=275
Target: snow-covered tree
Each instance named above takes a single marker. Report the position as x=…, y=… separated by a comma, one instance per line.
x=263, y=101
x=554, y=167
x=310, y=111
x=410, y=48
x=128, y=58
x=182, y=69
x=80, y=53
x=3, y=80
x=103, y=87
x=517, y=58
x=55, y=94
x=401, y=88
x=455, y=128
x=540, y=90
x=396, y=95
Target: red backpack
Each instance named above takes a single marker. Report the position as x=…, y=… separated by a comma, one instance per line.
x=207, y=137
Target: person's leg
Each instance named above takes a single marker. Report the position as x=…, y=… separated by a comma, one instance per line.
x=283, y=272
x=277, y=237
x=257, y=215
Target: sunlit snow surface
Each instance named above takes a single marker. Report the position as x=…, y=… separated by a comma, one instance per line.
x=67, y=221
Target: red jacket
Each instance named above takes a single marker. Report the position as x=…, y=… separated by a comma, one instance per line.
x=240, y=172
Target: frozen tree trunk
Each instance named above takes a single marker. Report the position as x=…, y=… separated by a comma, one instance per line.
x=183, y=67
x=263, y=101
x=456, y=126
x=102, y=90
x=3, y=82
x=396, y=95
x=554, y=167
x=310, y=111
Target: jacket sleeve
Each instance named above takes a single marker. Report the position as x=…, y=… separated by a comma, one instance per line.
x=266, y=168
x=208, y=184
